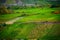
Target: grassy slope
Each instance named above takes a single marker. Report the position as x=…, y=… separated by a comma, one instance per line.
x=7, y=17
x=25, y=29
x=37, y=14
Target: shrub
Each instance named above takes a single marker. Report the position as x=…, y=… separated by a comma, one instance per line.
x=54, y=6
x=56, y=12
x=49, y=5
x=2, y=25
x=4, y=10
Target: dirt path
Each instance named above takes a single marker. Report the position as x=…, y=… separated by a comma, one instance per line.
x=13, y=20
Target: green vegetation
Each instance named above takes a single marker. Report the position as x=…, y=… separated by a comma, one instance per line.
x=29, y=26
x=30, y=19
x=6, y=17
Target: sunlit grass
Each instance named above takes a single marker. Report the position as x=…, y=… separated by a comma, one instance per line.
x=23, y=27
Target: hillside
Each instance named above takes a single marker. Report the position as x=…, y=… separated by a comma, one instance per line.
x=29, y=22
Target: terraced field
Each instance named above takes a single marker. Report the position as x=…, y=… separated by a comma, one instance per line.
x=37, y=23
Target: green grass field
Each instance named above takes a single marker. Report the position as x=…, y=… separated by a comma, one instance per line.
x=29, y=27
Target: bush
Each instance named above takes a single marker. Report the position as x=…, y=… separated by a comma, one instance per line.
x=49, y=5
x=54, y=6
x=4, y=10
x=56, y=12
x=2, y=25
